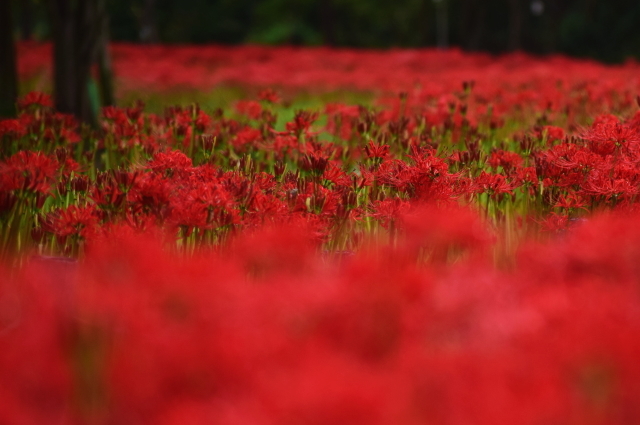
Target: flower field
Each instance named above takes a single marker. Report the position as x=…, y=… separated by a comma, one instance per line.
x=461, y=248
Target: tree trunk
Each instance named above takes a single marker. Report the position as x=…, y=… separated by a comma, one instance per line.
x=77, y=31
x=8, y=66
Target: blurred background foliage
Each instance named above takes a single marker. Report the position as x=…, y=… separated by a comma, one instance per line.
x=604, y=30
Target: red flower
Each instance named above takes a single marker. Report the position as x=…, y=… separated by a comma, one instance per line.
x=80, y=221
x=28, y=170
x=553, y=133
x=389, y=210
x=170, y=162
x=507, y=160
x=376, y=151
x=13, y=128
x=245, y=138
x=608, y=135
x=35, y=99
x=249, y=108
x=302, y=121
x=269, y=95
x=496, y=185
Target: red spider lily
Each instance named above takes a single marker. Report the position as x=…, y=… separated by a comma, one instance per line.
x=527, y=175
x=555, y=222
x=202, y=121
x=388, y=211
x=35, y=99
x=117, y=115
x=567, y=163
x=69, y=166
x=428, y=178
x=27, y=170
x=376, y=151
x=12, y=128
x=263, y=209
x=203, y=206
x=264, y=181
x=108, y=195
x=336, y=175
x=72, y=221
x=124, y=123
x=363, y=177
x=170, y=163
x=301, y=122
x=571, y=201
x=269, y=95
x=249, y=108
x=496, y=185
x=315, y=162
x=152, y=193
x=284, y=145
x=607, y=135
x=342, y=119
x=509, y=161
x=601, y=185
x=184, y=121
x=245, y=139
x=315, y=199
x=394, y=173
x=552, y=133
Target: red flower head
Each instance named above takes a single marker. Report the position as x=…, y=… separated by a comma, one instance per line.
x=170, y=162
x=28, y=170
x=35, y=99
x=608, y=135
x=269, y=95
x=12, y=128
x=249, y=108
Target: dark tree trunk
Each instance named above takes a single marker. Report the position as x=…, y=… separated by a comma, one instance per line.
x=77, y=31
x=8, y=68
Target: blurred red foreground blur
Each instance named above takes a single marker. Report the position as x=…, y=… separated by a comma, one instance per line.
x=271, y=332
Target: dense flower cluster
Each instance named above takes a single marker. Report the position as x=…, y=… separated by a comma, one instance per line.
x=457, y=254
x=269, y=332
x=204, y=178
x=516, y=82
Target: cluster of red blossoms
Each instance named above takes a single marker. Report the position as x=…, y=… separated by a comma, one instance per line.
x=268, y=332
x=436, y=258
x=205, y=178
x=511, y=82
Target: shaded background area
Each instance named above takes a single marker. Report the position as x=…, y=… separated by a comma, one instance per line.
x=79, y=33
x=603, y=30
